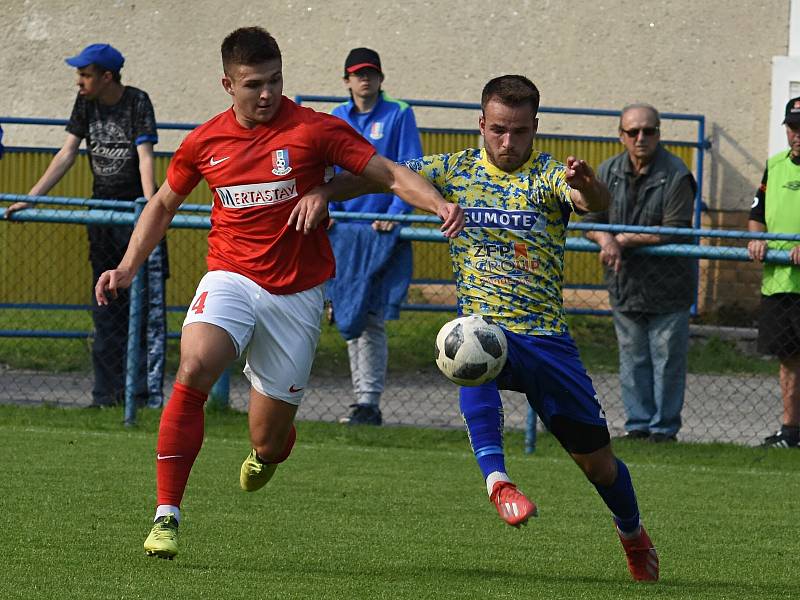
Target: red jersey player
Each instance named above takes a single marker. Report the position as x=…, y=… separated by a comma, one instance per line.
x=267, y=261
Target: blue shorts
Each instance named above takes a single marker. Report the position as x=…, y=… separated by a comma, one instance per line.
x=549, y=371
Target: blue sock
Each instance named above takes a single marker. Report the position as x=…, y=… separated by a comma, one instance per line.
x=482, y=411
x=621, y=499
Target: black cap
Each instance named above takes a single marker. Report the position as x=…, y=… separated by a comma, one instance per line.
x=362, y=58
x=792, y=117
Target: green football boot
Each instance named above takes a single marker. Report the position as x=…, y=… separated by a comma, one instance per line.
x=255, y=474
x=163, y=539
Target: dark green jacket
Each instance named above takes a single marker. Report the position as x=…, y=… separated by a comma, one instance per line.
x=665, y=198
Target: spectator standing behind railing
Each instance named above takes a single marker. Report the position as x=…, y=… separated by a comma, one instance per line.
x=363, y=299
x=775, y=209
x=650, y=296
x=119, y=125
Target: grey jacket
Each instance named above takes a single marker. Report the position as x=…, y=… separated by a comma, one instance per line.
x=665, y=198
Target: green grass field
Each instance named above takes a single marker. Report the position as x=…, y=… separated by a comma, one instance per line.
x=378, y=513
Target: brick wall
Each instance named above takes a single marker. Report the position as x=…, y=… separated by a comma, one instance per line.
x=727, y=287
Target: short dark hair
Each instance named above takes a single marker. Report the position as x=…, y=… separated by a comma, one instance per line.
x=248, y=46
x=511, y=90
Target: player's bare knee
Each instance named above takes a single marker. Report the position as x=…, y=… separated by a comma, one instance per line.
x=193, y=372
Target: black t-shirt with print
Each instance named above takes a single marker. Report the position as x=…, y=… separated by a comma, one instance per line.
x=112, y=134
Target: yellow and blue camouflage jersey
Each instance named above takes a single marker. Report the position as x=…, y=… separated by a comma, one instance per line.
x=509, y=260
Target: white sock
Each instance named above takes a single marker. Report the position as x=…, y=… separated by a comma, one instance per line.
x=167, y=509
x=494, y=478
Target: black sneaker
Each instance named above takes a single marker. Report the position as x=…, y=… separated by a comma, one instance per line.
x=781, y=439
x=363, y=414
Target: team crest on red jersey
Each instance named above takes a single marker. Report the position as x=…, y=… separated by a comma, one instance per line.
x=280, y=162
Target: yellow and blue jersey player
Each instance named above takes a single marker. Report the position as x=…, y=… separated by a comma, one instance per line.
x=509, y=266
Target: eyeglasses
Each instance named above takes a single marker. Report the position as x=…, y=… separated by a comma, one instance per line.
x=634, y=133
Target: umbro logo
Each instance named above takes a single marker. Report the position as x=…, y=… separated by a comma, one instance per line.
x=792, y=185
x=214, y=163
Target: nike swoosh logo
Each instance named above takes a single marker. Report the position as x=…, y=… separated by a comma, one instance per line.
x=168, y=456
x=214, y=163
x=294, y=390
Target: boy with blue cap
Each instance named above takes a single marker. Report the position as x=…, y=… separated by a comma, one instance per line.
x=119, y=125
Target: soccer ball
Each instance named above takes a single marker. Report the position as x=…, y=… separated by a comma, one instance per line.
x=470, y=350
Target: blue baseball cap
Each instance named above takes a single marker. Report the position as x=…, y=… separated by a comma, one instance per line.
x=103, y=55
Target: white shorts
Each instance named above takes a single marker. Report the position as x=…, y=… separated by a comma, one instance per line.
x=282, y=330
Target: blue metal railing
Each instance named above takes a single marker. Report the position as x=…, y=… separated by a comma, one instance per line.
x=219, y=394
x=700, y=143
x=63, y=122
x=108, y=212
x=99, y=213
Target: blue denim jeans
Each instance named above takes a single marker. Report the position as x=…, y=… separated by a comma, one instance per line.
x=653, y=350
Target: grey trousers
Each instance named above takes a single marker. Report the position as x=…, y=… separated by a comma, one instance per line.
x=369, y=354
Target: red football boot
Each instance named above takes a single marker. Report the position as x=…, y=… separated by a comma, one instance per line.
x=512, y=505
x=642, y=556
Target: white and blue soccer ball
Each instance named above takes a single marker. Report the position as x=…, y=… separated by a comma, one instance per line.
x=471, y=350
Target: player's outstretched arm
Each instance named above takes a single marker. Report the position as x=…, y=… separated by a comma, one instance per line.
x=416, y=191
x=312, y=208
x=380, y=175
x=588, y=193
x=150, y=229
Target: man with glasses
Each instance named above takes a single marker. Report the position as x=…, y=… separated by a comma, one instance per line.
x=650, y=296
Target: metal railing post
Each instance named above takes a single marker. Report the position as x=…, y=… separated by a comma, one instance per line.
x=133, y=357
x=698, y=205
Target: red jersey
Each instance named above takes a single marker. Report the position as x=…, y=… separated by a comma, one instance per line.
x=257, y=176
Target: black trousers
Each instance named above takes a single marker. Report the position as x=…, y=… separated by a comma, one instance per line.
x=107, y=245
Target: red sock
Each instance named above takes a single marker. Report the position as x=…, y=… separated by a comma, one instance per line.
x=180, y=436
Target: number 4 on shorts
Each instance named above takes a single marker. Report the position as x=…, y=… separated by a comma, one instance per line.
x=200, y=304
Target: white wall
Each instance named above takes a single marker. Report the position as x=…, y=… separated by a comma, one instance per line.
x=695, y=56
